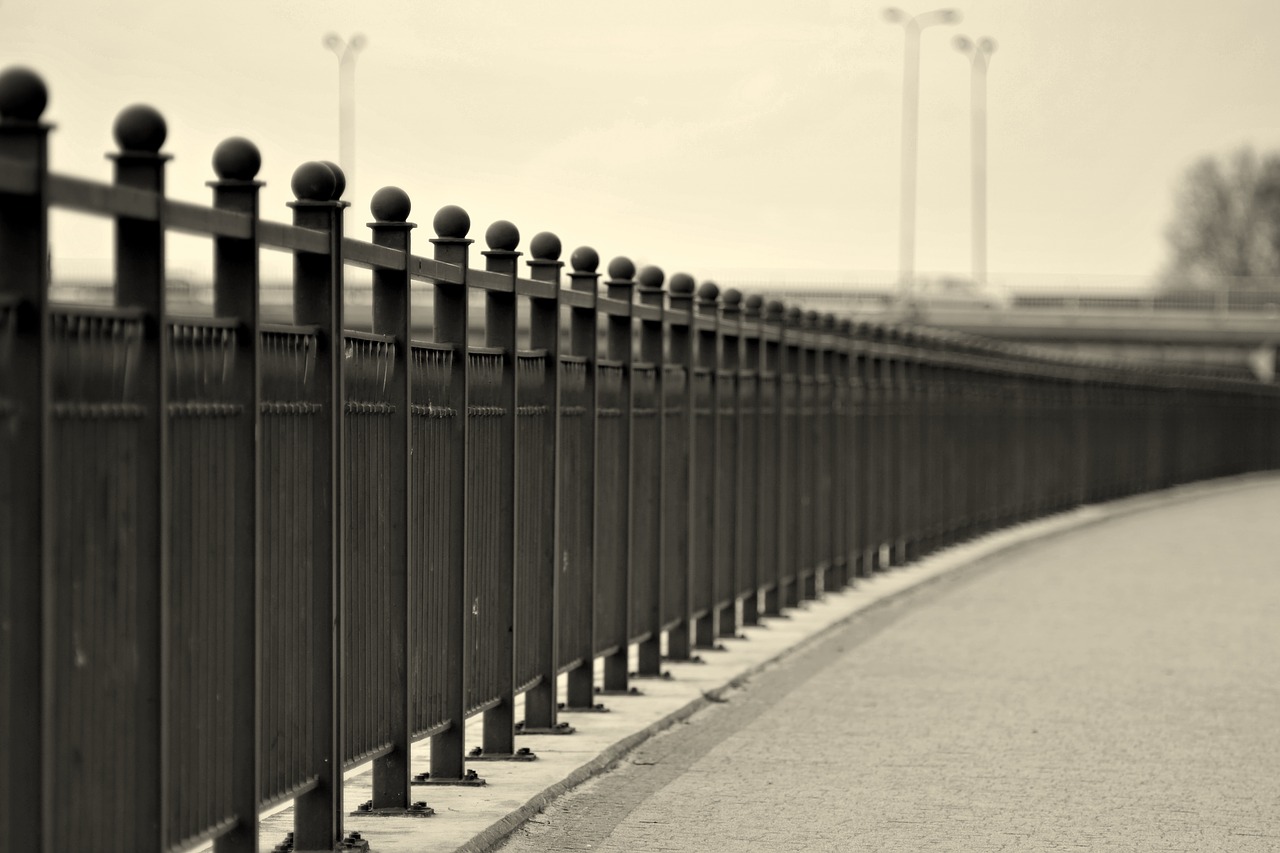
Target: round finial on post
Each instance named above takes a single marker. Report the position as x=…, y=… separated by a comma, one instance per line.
x=732, y=296
x=651, y=277
x=23, y=95
x=829, y=321
x=621, y=269
x=811, y=320
x=390, y=204
x=545, y=246
x=584, y=259
x=794, y=315
x=775, y=310
x=451, y=222
x=236, y=159
x=754, y=303
x=682, y=284
x=339, y=176
x=708, y=292
x=313, y=181
x=502, y=236
x=140, y=129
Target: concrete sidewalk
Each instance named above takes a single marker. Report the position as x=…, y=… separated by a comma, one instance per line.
x=932, y=703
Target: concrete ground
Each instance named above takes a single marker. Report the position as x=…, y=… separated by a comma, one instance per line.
x=1115, y=687
x=1046, y=686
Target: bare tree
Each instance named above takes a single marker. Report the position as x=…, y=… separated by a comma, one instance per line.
x=1225, y=230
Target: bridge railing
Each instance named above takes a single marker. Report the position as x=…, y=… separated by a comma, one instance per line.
x=240, y=557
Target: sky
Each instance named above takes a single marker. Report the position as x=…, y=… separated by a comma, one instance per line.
x=749, y=140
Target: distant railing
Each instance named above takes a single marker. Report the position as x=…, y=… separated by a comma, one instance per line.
x=239, y=557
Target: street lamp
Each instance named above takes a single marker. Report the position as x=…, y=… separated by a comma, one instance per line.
x=346, y=52
x=979, y=54
x=910, y=113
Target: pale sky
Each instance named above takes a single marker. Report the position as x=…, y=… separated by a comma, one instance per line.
x=716, y=137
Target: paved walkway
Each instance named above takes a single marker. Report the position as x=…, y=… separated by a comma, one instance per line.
x=1115, y=687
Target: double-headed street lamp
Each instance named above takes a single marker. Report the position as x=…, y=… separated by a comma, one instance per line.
x=346, y=52
x=979, y=54
x=910, y=113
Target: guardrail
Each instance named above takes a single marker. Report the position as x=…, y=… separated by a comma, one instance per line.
x=239, y=557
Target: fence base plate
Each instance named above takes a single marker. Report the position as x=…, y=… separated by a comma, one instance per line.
x=559, y=729
x=521, y=754
x=690, y=659
x=470, y=780
x=419, y=809
x=597, y=708
x=630, y=691
x=665, y=675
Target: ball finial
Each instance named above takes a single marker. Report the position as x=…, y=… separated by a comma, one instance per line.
x=681, y=284
x=621, y=269
x=732, y=296
x=502, y=236
x=23, y=95
x=775, y=309
x=451, y=222
x=584, y=259
x=236, y=159
x=339, y=176
x=140, y=129
x=651, y=277
x=545, y=246
x=709, y=291
x=313, y=181
x=754, y=302
x=390, y=204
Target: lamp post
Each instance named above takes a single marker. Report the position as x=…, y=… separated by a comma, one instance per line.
x=910, y=113
x=346, y=52
x=979, y=54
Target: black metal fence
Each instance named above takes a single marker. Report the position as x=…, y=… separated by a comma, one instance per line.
x=239, y=557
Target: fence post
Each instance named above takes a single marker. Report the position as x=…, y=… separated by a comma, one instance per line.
x=390, y=207
x=544, y=334
x=500, y=326
x=649, y=293
x=27, y=647
x=581, y=564
x=729, y=473
x=704, y=399
x=317, y=301
x=772, y=473
x=837, y=576
x=235, y=295
x=451, y=224
x=677, y=461
x=748, y=522
x=620, y=349
x=139, y=284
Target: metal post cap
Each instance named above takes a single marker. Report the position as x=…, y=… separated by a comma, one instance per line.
x=545, y=246
x=708, y=292
x=681, y=284
x=584, y=259
x=339, y=176
x=390, y=204
x=651, y=277
x=621, y=269
x=140, y=128
x=451, y=222
x=236, y=159
x=23, y=95
x=502, y=236
x=314, y=181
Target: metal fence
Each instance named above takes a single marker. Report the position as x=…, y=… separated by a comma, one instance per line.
x=241, y=557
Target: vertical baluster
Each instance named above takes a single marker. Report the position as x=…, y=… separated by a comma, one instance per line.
x=317, y=301
x=771, y=555
x=28, y=796
x=139, y=283
x=235, y=294
x=502, y=237
x=451, y=224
